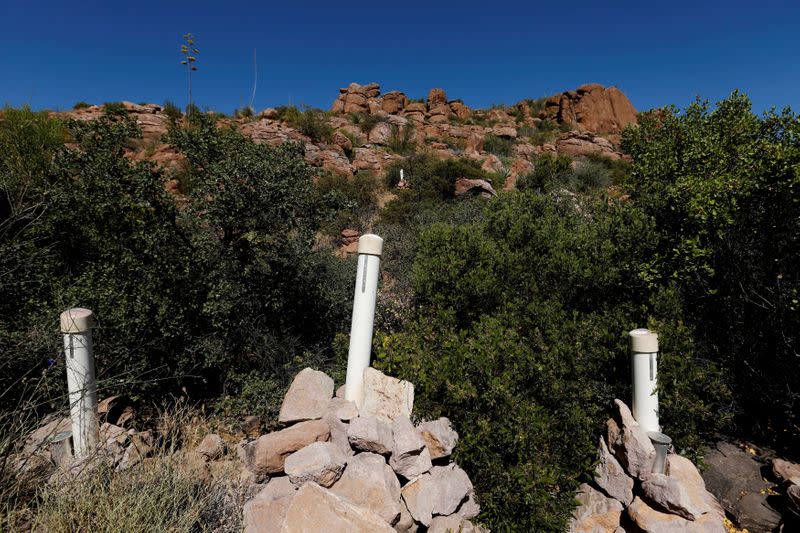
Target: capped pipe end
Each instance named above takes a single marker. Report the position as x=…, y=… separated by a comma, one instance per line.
x=77, y=320
x=370, y=244
x=644, y=341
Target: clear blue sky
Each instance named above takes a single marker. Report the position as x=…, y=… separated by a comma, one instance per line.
x=53, y=54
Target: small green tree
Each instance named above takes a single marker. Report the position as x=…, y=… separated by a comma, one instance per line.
x=190, y=53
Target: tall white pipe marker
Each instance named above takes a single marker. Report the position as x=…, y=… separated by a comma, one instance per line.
x=370, y=248
x=644, y=355
x=76, y=325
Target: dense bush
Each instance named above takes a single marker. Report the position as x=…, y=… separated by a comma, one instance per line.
x=498, y=145
x=520, y=338
x=343, y=202
x=185, y=297
x=723, y=187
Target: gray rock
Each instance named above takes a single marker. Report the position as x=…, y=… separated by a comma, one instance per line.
x=385, y=397
x=439, y=437
x=276, y=488
x=734, y=477
x=450, y=524
x=596, y=512
x=320, y=462
x=405, y=524
x=611, y=477
x=629, y=443
x=307, y=398
x=418, y=495
x=338, y=427
x=367, y=433
x=669, y=495
x=452, y=487
x=410, y=457
x=370, y=483
x=469, y=508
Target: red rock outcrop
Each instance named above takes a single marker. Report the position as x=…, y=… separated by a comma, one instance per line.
x=591, y=107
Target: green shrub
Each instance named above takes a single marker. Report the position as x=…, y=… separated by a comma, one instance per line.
x=519, y=336
x=548, y=173
x=346, y=202
x=310, y=122
x=244, y=112
x=172, y=112
x=114, y=109
x=431, y=178
x=722, y=186
x=498, y=145
x=81, y=105
x=366, y=121
x=402, y=140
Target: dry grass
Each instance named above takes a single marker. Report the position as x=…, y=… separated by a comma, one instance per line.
x=162, y=493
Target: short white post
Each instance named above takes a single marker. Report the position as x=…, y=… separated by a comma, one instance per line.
x=76, y=325
x=370, y=248
x=644, y=369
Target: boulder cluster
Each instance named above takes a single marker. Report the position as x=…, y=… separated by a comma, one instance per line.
x=626, y=495
x=339, y=467
x=591, y=107
x=367, y=99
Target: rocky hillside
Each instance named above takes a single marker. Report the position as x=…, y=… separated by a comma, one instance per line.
x=367, y=130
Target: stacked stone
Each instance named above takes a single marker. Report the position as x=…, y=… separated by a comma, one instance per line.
x=626, y=496
x=338, y=467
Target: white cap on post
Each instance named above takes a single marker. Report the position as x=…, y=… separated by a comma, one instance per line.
x=77, y=320
x=644, y=341
x=370, y=244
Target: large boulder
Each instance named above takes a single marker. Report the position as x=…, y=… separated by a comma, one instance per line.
x=439, y=437
x=668, y=494
x=267, y=454
x=307, y=398
x=591, y=108
x=367, y=433
x=380, y=134
x=370, y=483
x=736, y=479
x=629, y=443
x=437, y=97
x=386, y=398
x=315, y=508
x=596, y=512
x=320, y=462
x=649, y=520
x=611, y=477
x=410, y=456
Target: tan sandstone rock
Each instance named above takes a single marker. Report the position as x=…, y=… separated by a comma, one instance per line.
x=611, y=477
x=649, y=520
x=212, y=446
x=267, y=454
x=308, y=396
x=439, y=437
x=370, y=483
x=386, y=398
x=410, y=457
x=314, y=508
x=629, y=443
x=320, y=462
x=367, y=433
x=596, y=513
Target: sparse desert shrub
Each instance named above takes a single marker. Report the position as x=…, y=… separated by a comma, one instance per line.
x=114, y=109
x=172, y=111
x=402, y=140
x=310, y=122
x=498, y=145
x=81, y=105
x=244, y=112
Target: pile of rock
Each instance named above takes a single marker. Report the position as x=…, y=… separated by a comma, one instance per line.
x=339, y=467
x=367, y=99
x=626, y=496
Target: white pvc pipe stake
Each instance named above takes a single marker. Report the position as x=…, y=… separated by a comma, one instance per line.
x=370, y=248
x=76, y=325
x=644, y=370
